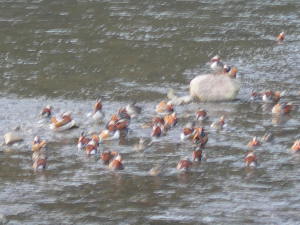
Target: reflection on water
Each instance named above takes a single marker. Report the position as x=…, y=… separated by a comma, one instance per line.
x=67, y=54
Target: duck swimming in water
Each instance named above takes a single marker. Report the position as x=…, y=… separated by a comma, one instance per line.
x=230, y=71
x=112, y=133
x=98, y=115
x=201, y=115
x=219, y=124
x=92, y=146
x=282, y=108
x=133, y=110
x=116, y=163
x=271, y=97
x=184, y=165
x=250, y=159
x=82, y=141
x=170, y=121
x=38, y=144
x=39, y=162
x=187, y=132
x=254, y=142
x=281, y=37
x=197, y=154
x=47, y=111
x=64, y=123
x=107, y=156
x=296, y=146
x=157, y=131
x=164, y=108
x=200, y=137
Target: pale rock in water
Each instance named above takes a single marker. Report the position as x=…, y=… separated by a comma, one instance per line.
x=12, y=137
x=209, y=87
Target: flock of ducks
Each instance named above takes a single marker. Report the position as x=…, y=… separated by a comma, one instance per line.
x=166, y=119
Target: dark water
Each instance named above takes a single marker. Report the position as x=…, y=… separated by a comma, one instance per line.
x=67, y=53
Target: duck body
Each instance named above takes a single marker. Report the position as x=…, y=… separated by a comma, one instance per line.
x=40, y=164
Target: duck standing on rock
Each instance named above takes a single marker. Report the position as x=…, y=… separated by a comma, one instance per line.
x=216, y=65
x=211, y=87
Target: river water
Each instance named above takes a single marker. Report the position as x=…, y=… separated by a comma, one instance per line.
x=67, y=53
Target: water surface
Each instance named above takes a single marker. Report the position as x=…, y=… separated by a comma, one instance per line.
x=67, y=53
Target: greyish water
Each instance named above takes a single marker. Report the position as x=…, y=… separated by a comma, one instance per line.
x=67, y=53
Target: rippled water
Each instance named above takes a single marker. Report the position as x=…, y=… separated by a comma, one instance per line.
x=67, y=53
